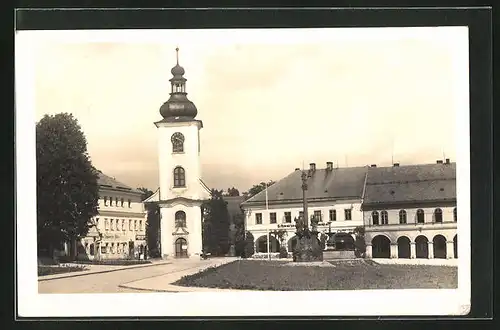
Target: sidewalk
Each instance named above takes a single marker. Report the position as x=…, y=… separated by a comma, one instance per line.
x=98, y=269
x=163, y=283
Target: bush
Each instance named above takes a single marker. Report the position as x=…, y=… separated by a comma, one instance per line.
x=52, y=270
x=249, y=248
x=359, y=242
x=283, y=252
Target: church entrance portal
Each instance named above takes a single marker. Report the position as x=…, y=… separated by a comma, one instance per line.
x=181, y=248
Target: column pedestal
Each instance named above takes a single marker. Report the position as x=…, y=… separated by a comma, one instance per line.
x=430, y=248
x=394, y=251
x=450, y=250
x=413, y=250
x=368, y=252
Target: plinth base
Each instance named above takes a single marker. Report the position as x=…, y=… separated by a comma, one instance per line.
x=308, y=249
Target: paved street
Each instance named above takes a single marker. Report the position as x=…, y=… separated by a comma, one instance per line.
x=109, y=282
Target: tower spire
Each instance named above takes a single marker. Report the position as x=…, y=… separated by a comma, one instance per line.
x=177, y=54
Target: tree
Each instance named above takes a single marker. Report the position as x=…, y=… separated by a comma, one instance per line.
x=239, y=233
x=232, y=192
x=67, y=186
x=216, y=225
x=146, y=193
x=257, y=189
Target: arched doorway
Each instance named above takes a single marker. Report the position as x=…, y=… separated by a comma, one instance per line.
x=381, y=247
x=455, y=247
x=262, y=244
x=343, y=242
x=181, y=248
x=422, y=247
x=292, y=242
x=439, y=245
x=404, y=247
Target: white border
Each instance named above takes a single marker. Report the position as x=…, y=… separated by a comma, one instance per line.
x=331, y=303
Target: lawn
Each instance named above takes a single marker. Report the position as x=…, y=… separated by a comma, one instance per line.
x=274, y=275
x=51, y=270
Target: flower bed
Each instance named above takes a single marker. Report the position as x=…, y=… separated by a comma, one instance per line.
x=274, y=275
x=52, y=270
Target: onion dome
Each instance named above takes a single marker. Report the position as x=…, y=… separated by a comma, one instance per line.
x=178, y=107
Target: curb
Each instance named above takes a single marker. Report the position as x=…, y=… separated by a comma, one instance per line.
x=86, y=272
x=127, y=286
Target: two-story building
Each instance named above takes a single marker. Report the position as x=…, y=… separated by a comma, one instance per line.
x=334, y=197
x=410, y=211
x=119, y=229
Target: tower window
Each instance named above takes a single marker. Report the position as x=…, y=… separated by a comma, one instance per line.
x=375, y=221
x=348, y=214
x=180, y=219
x=179, y=177
x=177, y=142
x=258, y=218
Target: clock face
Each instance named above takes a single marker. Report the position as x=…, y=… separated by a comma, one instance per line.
x=177, y=138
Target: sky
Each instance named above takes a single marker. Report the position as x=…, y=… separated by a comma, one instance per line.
x=270, y=100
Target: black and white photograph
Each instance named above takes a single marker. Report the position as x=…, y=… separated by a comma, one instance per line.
x=190, y=171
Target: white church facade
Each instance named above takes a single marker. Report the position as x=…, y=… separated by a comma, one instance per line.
x=181, y=191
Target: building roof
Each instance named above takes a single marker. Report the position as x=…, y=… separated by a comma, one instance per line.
x=107, y=182
x=410, y=183
x=337, y=183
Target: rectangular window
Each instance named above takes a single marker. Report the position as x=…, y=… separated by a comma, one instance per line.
x=333, y=215
x=105, y=200
x=106, y=224
x=317, y=215
x=288, y=217
x=123, y=225
x=97, y=223
x=140, y=225
x=258, y=218
x=122, y=201
x=111, y=201
x=130, y=225
x=111, y=224
x=135, y=224
x=129, y=202
x=347, y=214
x=116, y=201
x=117, y=225
x=272, y=217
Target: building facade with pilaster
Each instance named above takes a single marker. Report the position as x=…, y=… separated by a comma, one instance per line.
x=119, y=229
x=411, y=211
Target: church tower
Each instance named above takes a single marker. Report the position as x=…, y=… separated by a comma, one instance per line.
x=181, y=191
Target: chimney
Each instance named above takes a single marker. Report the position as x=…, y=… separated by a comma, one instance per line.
x=447, y=160
x=439, y=162
x=373, y=165
x=312, y=167
x=396, y=165
x=329, y=166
